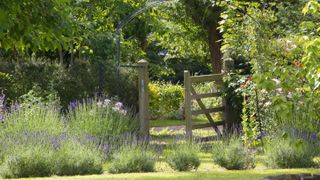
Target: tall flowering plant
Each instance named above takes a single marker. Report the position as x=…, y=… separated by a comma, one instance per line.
x=2, y=107
x=103, y=118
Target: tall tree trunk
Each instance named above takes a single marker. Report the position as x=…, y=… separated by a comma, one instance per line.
x=214, y=38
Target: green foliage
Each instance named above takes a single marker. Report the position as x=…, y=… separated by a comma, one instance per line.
x=175, y=31
x=289, y=153
x=105, y=120
x=184, y=157
x=251, y=120
x=132, y=158
x=171, y=70
x=35, y=25
x=232, y=154
x=165, y=100
x=82, y=80
x=316, y=161
x=285, y=73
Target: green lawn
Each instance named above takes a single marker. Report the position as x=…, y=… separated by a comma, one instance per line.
x=215, y=174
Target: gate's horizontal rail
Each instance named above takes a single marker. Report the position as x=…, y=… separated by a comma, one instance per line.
x=206, y=111
x=200, y=126
x=208, y=95
x=205, y=78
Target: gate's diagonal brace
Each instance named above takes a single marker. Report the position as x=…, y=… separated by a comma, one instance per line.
x=202, y=106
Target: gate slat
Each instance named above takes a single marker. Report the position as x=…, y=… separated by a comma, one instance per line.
x=206, y=111
x=200, y=126
x=208, y=95
x=205, y=78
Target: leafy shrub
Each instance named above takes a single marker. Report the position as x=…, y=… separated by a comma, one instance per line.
x=171, y=70
x=79, y=81
x=288, y=153
x=154, y=104
x=165, y=99
x=101, y=119
x=316, y=161
x=184, y=157
x=232, y=154
x=132, y=158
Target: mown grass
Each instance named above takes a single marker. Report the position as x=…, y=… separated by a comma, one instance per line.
x=215, y=174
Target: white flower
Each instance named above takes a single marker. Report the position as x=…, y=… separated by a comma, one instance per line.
x=99, y=103
x=118, y=105
x=277, y=81
x=268, y=104
x=122, y=111
x=263, y=91
x=106, y=102
x=279, y=91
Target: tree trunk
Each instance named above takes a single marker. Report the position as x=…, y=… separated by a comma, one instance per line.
x=214, y=38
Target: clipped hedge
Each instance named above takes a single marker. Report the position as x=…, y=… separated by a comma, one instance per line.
x=166, y=100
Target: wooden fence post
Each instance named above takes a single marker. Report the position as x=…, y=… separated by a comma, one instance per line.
x=187, y=104
x=144, y=98
x=230, y=116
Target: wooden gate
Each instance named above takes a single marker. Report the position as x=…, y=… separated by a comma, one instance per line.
x=228, y=117
x=191, y=95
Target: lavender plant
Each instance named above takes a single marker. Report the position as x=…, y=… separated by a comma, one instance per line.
x=35, y=118
x=133, y=158
x=38, y=155
x=184, y=158
x=104, y=119
x=2, y=108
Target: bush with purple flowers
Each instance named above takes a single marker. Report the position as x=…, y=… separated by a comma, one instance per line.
x=37, y=140
x=47, y=157
x=104, y=119
x=133, y=158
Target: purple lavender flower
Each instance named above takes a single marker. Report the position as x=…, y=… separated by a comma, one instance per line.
x=55, y=143
x=73, y=105
x=15, y=107
x=2, y=107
